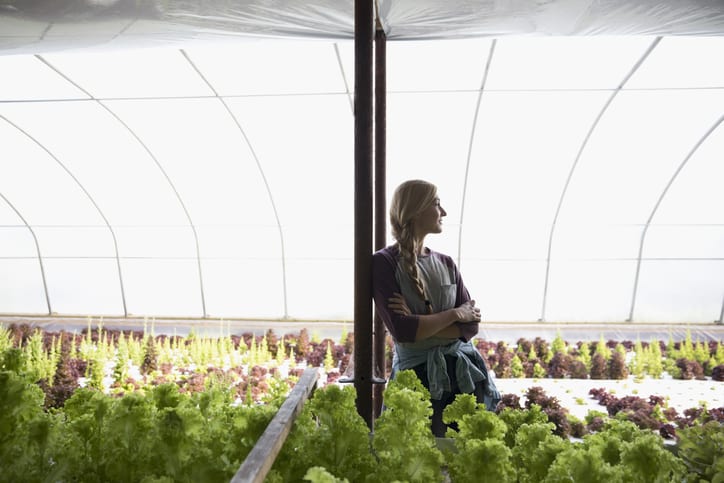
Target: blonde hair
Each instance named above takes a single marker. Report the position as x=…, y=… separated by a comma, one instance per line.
x=409, y=200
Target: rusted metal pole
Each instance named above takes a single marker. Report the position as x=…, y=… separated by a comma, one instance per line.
x=380, y=199
x=363, y=112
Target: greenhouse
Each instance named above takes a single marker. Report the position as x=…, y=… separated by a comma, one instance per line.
x=159, y=166
x=179, y=168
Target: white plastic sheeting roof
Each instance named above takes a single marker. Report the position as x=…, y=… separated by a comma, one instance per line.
x=210, y=172
x=45, y=24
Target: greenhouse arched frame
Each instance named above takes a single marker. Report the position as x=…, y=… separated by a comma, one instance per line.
x=196, y=160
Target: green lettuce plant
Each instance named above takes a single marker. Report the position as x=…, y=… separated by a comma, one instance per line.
x=480, y=449
x=536, y=447
x=403, y=443
x=329, y=433
x=701, y=448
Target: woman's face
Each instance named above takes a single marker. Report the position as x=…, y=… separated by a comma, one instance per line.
x=430, y=220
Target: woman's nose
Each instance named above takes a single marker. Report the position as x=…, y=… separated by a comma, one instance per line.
x=442, y=211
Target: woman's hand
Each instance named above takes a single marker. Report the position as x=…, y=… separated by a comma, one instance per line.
x=468, y=312
x=397, y=304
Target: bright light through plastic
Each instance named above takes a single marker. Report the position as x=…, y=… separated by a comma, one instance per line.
x=243, y=203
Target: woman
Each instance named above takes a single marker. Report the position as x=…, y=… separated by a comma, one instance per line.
x=420, y=296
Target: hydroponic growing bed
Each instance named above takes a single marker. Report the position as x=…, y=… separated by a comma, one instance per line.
x=104, y=405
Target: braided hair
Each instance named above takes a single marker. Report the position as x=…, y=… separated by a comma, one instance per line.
x=409, y=200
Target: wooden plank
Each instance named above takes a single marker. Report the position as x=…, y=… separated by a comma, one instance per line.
x=261, y=458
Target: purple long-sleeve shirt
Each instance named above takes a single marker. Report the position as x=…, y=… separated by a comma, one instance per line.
x=442, y=279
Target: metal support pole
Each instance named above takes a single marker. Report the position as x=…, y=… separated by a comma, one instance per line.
x=691, y=153
x=363, y=111
x=380, y=201
x=721, y=315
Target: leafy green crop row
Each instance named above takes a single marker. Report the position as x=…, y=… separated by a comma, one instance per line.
x=117, y=362
x=164, y=435
x=330, y=443
x=684, y=359
x=160, y=435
